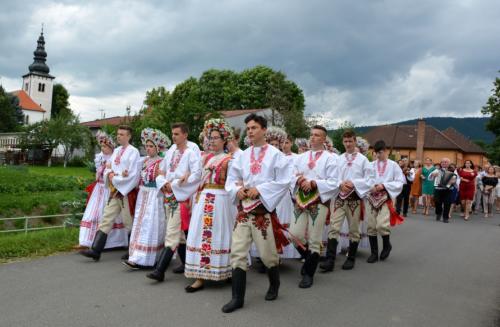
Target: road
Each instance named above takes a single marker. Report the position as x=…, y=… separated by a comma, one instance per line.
x=437, y=275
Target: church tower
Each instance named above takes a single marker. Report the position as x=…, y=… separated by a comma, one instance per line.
x=38, y=82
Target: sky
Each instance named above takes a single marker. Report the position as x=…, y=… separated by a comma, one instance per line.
x=367, y=62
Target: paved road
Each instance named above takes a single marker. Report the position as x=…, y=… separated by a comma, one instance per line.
x=438, y=275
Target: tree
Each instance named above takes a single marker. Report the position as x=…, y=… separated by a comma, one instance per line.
x=492, y=108
x=64, y=130
x=60, y=102
x=11, y=115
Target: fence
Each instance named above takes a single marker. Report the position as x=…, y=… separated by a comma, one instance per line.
x=27, y=228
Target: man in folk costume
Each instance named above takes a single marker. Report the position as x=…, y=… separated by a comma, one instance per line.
x=257, y=181
x=355, y=177
x=97, y=199
x=148, y=230
x=316, y=172
x=180, y=174
x=388, y=183
x=121, y=176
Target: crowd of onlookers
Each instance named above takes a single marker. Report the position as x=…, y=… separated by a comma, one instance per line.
x=471, y=189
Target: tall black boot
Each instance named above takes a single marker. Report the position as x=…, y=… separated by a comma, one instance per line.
x=310, y=268
x=239, y=284
x=261, y=268
x=181, y=251
x=125, y=256
x=304, y=254
x=351, y=257
x=374, y=248
x=331, y=254
x=387, y=247
x=97, y=246
x=274, y=283
x=161, y=265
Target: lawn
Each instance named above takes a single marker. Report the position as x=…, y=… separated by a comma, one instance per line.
x=42, y=190
x=36, y=244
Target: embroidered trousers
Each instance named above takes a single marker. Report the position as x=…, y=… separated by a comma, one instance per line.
x=258, y=229
x=112, y=210
x=311, y=222
x=349, y=209
x=174, y=234
x=379, y=220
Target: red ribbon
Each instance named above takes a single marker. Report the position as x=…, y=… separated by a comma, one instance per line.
x=89, y=189
x=396, y=219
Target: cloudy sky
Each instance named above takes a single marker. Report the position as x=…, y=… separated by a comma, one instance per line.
x=364, y=61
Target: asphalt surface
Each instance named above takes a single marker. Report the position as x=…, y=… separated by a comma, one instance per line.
x=437, y=275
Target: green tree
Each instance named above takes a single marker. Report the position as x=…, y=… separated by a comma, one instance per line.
x=62, y=130
x=492, y=108
x=11, y=115
x=60, y=102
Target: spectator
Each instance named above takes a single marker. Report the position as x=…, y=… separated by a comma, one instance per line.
x=443, y=181
x=490, y=182
x=403, y=199
x=427, y=185
x=467, y=187
x=416, y=187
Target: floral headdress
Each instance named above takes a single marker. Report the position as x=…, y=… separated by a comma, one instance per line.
x=219, y=125
x=276, y=133
x=302, y=143
x=160, y=140
x=103, y=138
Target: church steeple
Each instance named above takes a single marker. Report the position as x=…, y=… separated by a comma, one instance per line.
x=40, y=56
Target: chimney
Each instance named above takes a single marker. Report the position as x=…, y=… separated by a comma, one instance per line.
x=420, y=139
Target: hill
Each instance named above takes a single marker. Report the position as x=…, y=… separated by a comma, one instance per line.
x=472, y=127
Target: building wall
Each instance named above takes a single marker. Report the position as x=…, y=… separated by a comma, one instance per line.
x=43, y=98
x=239, y=121
x=31, y=117
x=456, y=157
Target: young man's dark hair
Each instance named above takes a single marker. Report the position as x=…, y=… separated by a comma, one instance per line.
x=289, y=137
x=126, y=128
x=349, y=134
x=237, y=133
x=258, y=119
x=320, y=128
x=182, y=126
x=379, y=146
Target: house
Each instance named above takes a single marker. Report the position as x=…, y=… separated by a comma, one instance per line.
x=421, y=141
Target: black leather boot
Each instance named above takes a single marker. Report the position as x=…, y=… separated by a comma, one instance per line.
x=125, y=256
x=374, y=249
x=239, y=284
x=97, y=246
x=387, y=247
x=304, y=254
x=351, y=257
x=274, y=283
x=331, y=254
x=181, y=251
x=161, y=265
x=310, y=268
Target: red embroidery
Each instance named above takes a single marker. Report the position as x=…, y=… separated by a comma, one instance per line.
x=256, y=165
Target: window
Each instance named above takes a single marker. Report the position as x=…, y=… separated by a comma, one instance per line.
x=26, y=87
x=43, y=87
x=26, y=119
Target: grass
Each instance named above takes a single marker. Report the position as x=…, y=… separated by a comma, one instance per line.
x=34, y=204
x=82, y=172
x=37, y=244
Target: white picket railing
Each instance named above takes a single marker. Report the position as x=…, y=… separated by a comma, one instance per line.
x=27, y=219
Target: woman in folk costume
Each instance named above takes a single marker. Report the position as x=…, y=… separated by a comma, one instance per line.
x=148, y=230
x=98, y=196
x=212, y=220
x=302, y=145
x=277, y=137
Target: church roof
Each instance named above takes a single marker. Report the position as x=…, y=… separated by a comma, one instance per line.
x=26, y=103
x=39, y=67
